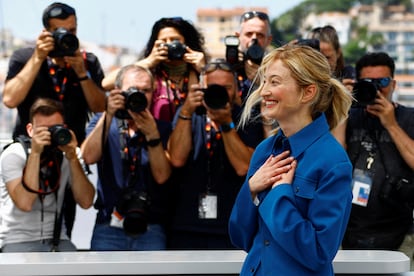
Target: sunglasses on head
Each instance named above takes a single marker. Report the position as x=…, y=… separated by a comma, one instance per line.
x=60, y=12
x=249, y=15
x=213, y=66
x=380, y=82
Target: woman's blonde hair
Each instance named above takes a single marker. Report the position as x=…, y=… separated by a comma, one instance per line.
x=307, y=66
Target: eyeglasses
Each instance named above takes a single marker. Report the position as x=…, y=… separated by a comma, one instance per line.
x=213, y=66
x=250, y=14
x=380, y=82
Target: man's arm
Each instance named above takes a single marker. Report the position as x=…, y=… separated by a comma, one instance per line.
x=91, y=147
x=94, y=95
x=17, y=88
x=22, y=198
x=181, y=140
x=82, y=189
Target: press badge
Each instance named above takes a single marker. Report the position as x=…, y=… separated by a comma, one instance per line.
x=207, y=206
x=361, y=187
x=116, y=220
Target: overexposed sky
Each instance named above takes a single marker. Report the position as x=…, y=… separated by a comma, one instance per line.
x=122, y=22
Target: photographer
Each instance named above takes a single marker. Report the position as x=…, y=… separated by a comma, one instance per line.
x=57, y=69
x=254, y=39
x=213, y=157
x=379, y=137
x=127, y=144
x=34, y=175
x=175, y=54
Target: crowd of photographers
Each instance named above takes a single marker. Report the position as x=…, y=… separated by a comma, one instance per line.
x=170, y=156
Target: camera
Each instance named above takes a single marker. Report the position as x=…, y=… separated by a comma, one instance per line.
x=133, y=206
x=364, y=92
x=66, y=43
x=215, y=97
x=60, y=135
x=255, y=52
x=135, y=101
x=176, y=50
x=313, y=43
x=232, y=49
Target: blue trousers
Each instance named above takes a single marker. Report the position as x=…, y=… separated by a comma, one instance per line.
x=108, y=238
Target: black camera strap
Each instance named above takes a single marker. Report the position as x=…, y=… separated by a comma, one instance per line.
x=49, y=179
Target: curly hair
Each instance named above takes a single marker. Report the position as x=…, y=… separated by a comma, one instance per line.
x=193, y=38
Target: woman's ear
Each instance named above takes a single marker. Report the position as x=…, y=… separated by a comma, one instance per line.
x=309, y=93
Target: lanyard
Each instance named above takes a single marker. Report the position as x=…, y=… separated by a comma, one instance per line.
x=59, y=83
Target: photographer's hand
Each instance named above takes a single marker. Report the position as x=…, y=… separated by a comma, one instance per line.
x=41, y=137
x=44, y=45
x=220, y=116
x=145, y=123
x=384, y=110
x=115, y=101
x=195, y=58
x=70, y=148
x=77, y=63
x=194, y=99
x=159, y=53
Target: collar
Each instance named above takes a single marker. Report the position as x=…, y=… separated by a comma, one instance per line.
x=305, y=137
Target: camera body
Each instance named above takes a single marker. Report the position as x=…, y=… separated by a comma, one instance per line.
x=176, y=50
x=60, y=135
x=232, y=49
x=311, y=42
x=215, y=97
x=364, y=92
x=133, y=206
x=135, y=101
x=66, y=43
x=255, y=52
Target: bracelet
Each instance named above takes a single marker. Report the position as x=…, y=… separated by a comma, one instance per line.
x=154, y=142
x=226, y=127
x=181, y=116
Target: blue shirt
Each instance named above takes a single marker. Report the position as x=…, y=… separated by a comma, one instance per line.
x=113, y=176
x=298, y=228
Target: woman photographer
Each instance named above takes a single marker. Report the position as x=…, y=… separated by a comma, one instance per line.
x=175, y=54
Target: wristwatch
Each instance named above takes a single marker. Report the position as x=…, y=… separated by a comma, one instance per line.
x=226, y=127
x=154, y=142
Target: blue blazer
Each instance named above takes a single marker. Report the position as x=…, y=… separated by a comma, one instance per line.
x=298, y=228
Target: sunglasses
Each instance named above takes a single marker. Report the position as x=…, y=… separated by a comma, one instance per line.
x=379, y=82
x=249, y=15
x=213, y=66
x=60, y=12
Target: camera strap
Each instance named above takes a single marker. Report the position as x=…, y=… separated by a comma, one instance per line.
x=130, y=150
x=59, y=75
x=178, y=94
x=49, y=182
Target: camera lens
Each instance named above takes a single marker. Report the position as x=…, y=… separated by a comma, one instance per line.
x=133, y=206
x=364, y=92
x=215, y=96
x=135, y=101
x=176, y=50
x=66, y=43
x=255, y=52
x=60, y=135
